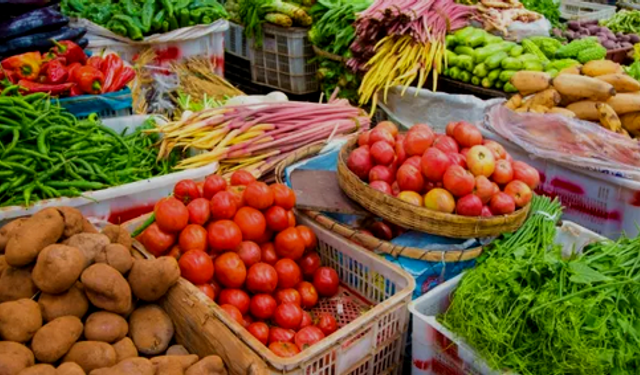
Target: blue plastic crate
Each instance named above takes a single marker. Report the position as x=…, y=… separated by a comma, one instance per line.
x=113, y=104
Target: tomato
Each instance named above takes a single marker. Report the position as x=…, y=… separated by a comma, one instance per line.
x=241, y=177
x=308, y=295
x=363, y=138
x=277, y=218
x=230, y=271
x=288, y=315
x=175, y=252
x=249, y=252
x=212, y=185
x=262, y=306
x=267, y=236
x=223, y=235
x=207, y=290
x=289, y=274
x=171, y=215
x=309, y=238
x=216, y=287
x=247, y=320
x=238, y=195
x=260, y=331
x=157, y=241
x=262, y=278
x=292, y=218
x=288, y=295
x=258, y=195
x=186, y=190
x=196, y=266
x=306, y=320
x=381, y=134
x=289, y=244
x=222, y=206
x=278, y=334
x=308, y=336
x=234, y=313
x=283, y=196
x=236, y=297
x=269, y=255
x=327, y=323
x=193, y=237
x=199, y=211
x=284, y=349
x=251, y=223
x=326, y=281
x=309, y=263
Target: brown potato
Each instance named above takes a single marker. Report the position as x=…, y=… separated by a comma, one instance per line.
x=106, y=288
x=55, y=338
x=90, y=245
x=210, y=365
x=125, y=349
x=3, y=264
x=72, y=302
x=87, y=227
x=169, y=368
x=14, y=357
x=57, y=268
x=151, y=278
x=177, y=350
x=37, y=232
x=118, y=234
x=41, y=369
x=91, y=355
x=16, y=283
x=131, y=366
x=6, y=232
x=185, y=361
x=73, y=221
x=117, y=256
x=151, y=329
x=19, y=320
x=70, y=368
x=105, y=326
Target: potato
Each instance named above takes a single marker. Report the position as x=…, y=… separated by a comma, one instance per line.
x=105, y=326
x=151, y=329
x=91, y=355
x=70, y=368
x=169, y=368
x=57, y=268
x=72, y=302
x=177, y=350
x=37, y=232
x=106, y=288
x=89, y=243
x=19, y=320
x=55, y=338
x=16, y=283
x=131, y=366
x=41, y=369
x=3, y=264
x=117, y=256
x=185, y=361
x=73, y=221
x=14, y=357
x=125, y=349
x=151, y=278
x=118, y=234
x=6, y=232
x=87, y=227
x=210, y=365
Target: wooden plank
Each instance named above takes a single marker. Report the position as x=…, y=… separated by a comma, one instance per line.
x=319, y=191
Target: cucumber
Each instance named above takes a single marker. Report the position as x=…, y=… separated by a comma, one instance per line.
x=516, y=51
x=464, y=50
x=508, y=87
x=486, y=83
x=484, y=53
x=506, y=75
x=476, y=39
x=480, y=70
x=498, y=85
x=465, y=62
x=528, y=57
x=450, y=41
x=494, y=60
x=464, y=77
x=492, y=39
x=475, y=80
x=511, y=63
x=454, y=73
x=532, y=66
x=494, y=74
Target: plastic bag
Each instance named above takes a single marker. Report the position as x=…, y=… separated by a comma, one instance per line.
x=520, y=30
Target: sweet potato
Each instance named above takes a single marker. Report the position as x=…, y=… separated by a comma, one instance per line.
x=118, y=234
x=90, y=245
x=169, y=368
x=117, y=256
x=151, y=278
x=105, y=326
x=7, y=230
x=16, y=283
x=185, y=361
x=210, y=365
x=40, y=369
x=106, y=288
x=131, y=366
x=91, y=355
x=70, y=368
x=55, y=338
x=177, y=350
x=72, y=302
x=57, y=268
x=19, y=320
x=37, y=232
x=73, y=221
x=14, y=357
x=125, y=349
x=151, y=329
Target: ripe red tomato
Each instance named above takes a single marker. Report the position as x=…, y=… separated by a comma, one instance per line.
x=278, y=334
x=389, y=126
x=382, y=153
x=249, y=252
x=326, y=281
x=308, y=336
x=234, y=313
x=284, y=349
x=186, y=190
x=230, y=271
x=309, y=238
x=236, y=297
x=306, y=320
x=327, y=323
x=258, y=195
x=193, y=237
x=289, y=274
x=251, y=223
x=262, y=278
x=269, y=255
x=309, y=263
x=212, y=185
x=207, y=290
x=283, y=196
x=171, y=215
x=223, y=206
x=267, y=236
x=262, y=306
x=216, y=287
x=238, y=195
x=288, y=315
x=289, y=244
x=288, y=295
x=199, y=211
x=277, y=218
x=196, y=266
x=292, y=218
x=260, y=331
x=241, y=177
x=157, y=241
x=308, y=295
x=224, y=235
x=247, y=320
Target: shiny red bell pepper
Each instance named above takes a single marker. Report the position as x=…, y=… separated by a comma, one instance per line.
x=71, y=70
x=69, y=50
x=54, y=90
x=89, y=79
x=126, y=75
x=95, y=61
x=111, y=68
x=75, y=91
x=27, y=65
x=56, y=72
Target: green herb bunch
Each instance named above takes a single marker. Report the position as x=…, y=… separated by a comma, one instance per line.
x=333, y=31
x=550, y=9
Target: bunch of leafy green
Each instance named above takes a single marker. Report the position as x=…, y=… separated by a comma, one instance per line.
x=550, y=9
x=334, y=74
x=634, y=69
x=333, y=29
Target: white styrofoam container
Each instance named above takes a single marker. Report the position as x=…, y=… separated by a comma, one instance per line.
x=436, y=350
x=235, y=42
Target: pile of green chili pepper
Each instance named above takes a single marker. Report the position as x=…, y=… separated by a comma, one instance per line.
x=625, y=21
x=46, y=152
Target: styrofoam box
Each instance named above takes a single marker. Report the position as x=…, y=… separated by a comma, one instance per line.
x=118, y=203
x=235, y=42
x=436, y=350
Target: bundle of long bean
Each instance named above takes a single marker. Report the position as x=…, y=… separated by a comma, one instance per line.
x=257, y=136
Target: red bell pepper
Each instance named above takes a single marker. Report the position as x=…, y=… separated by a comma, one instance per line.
x=27, y=65
x=56, y=72
x=112, y=68
x=54, y=90
x=71, y=70
x=75, y=91
x=8, y=76
x=69, y=50
x=126, y=76
x=89, y=79
x=95, y=61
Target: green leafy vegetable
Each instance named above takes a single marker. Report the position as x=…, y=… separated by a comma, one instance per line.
x=333, y=31
x=550, y=9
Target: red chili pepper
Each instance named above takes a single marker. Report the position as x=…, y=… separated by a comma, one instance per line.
x=126, y=75
x=71, y=51
x=32, y=87
x=26, y=65
x=89, y=79
x=75, y=91
x=95, y=61
x=56, y=72
x=112, y=68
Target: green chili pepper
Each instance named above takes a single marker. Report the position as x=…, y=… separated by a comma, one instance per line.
x=133, y=31
x=150, y=220
x=173, y=23
x=79, y=184
x=117, y=27
x=165, y=26
x=184, y=18
x=157, y=21
x=168, y=7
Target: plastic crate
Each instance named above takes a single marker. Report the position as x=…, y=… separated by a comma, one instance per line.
x=584, y=11
x=113, y=104
x=235, y=42
x=284, y=61
x=436, y=350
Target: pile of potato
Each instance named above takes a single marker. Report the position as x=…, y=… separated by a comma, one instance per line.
x=94, y=311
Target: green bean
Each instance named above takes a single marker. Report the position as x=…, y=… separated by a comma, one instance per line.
x=80, y=184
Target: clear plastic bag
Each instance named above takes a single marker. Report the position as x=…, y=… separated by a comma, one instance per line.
x=520, y=30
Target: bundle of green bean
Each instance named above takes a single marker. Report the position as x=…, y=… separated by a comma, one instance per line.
x=45, y=152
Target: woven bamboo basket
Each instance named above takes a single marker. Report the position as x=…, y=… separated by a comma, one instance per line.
x=366, y=240
x=421, y=219
x=328, y=55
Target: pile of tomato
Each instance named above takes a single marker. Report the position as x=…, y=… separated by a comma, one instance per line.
x=240, y=245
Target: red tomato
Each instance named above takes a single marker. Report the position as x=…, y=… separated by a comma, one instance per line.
x=236, y=297
x=234, y=313
x=277, y=218
x=289, y=244
x=230, y=271
x=260, y=331
x=222, y=206
x=251, y=223
x=309, y=238
x=175, y=252
x=171, y=215
x=389, y=126
x=262, y=306
x=288, y=295
x=306, y=320
x=258, y=195
x=284, y=349
x=207, y=289
x=289, y=274
x=157, y=241
x=249, y=252
x=308, y=336
x=262, y=278
x=288, y=315
x=269, y=255
x=238, y=195
x=216, y=287
x=309, y=263
x=212, y=185
x=224, y=235
x=247, y=320
x=326, y=281
x=292, y=219
x=267, y=236
x=241, y=177
x=327, y=323
x=308, y=294
x=186, y=190
x=199, y=211
x=193, y=237
x=196, y=266
x=278, y=334
x=283, y=196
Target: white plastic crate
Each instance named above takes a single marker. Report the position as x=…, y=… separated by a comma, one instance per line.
x=584, y=11
x=436, y=350
x=235, y=42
